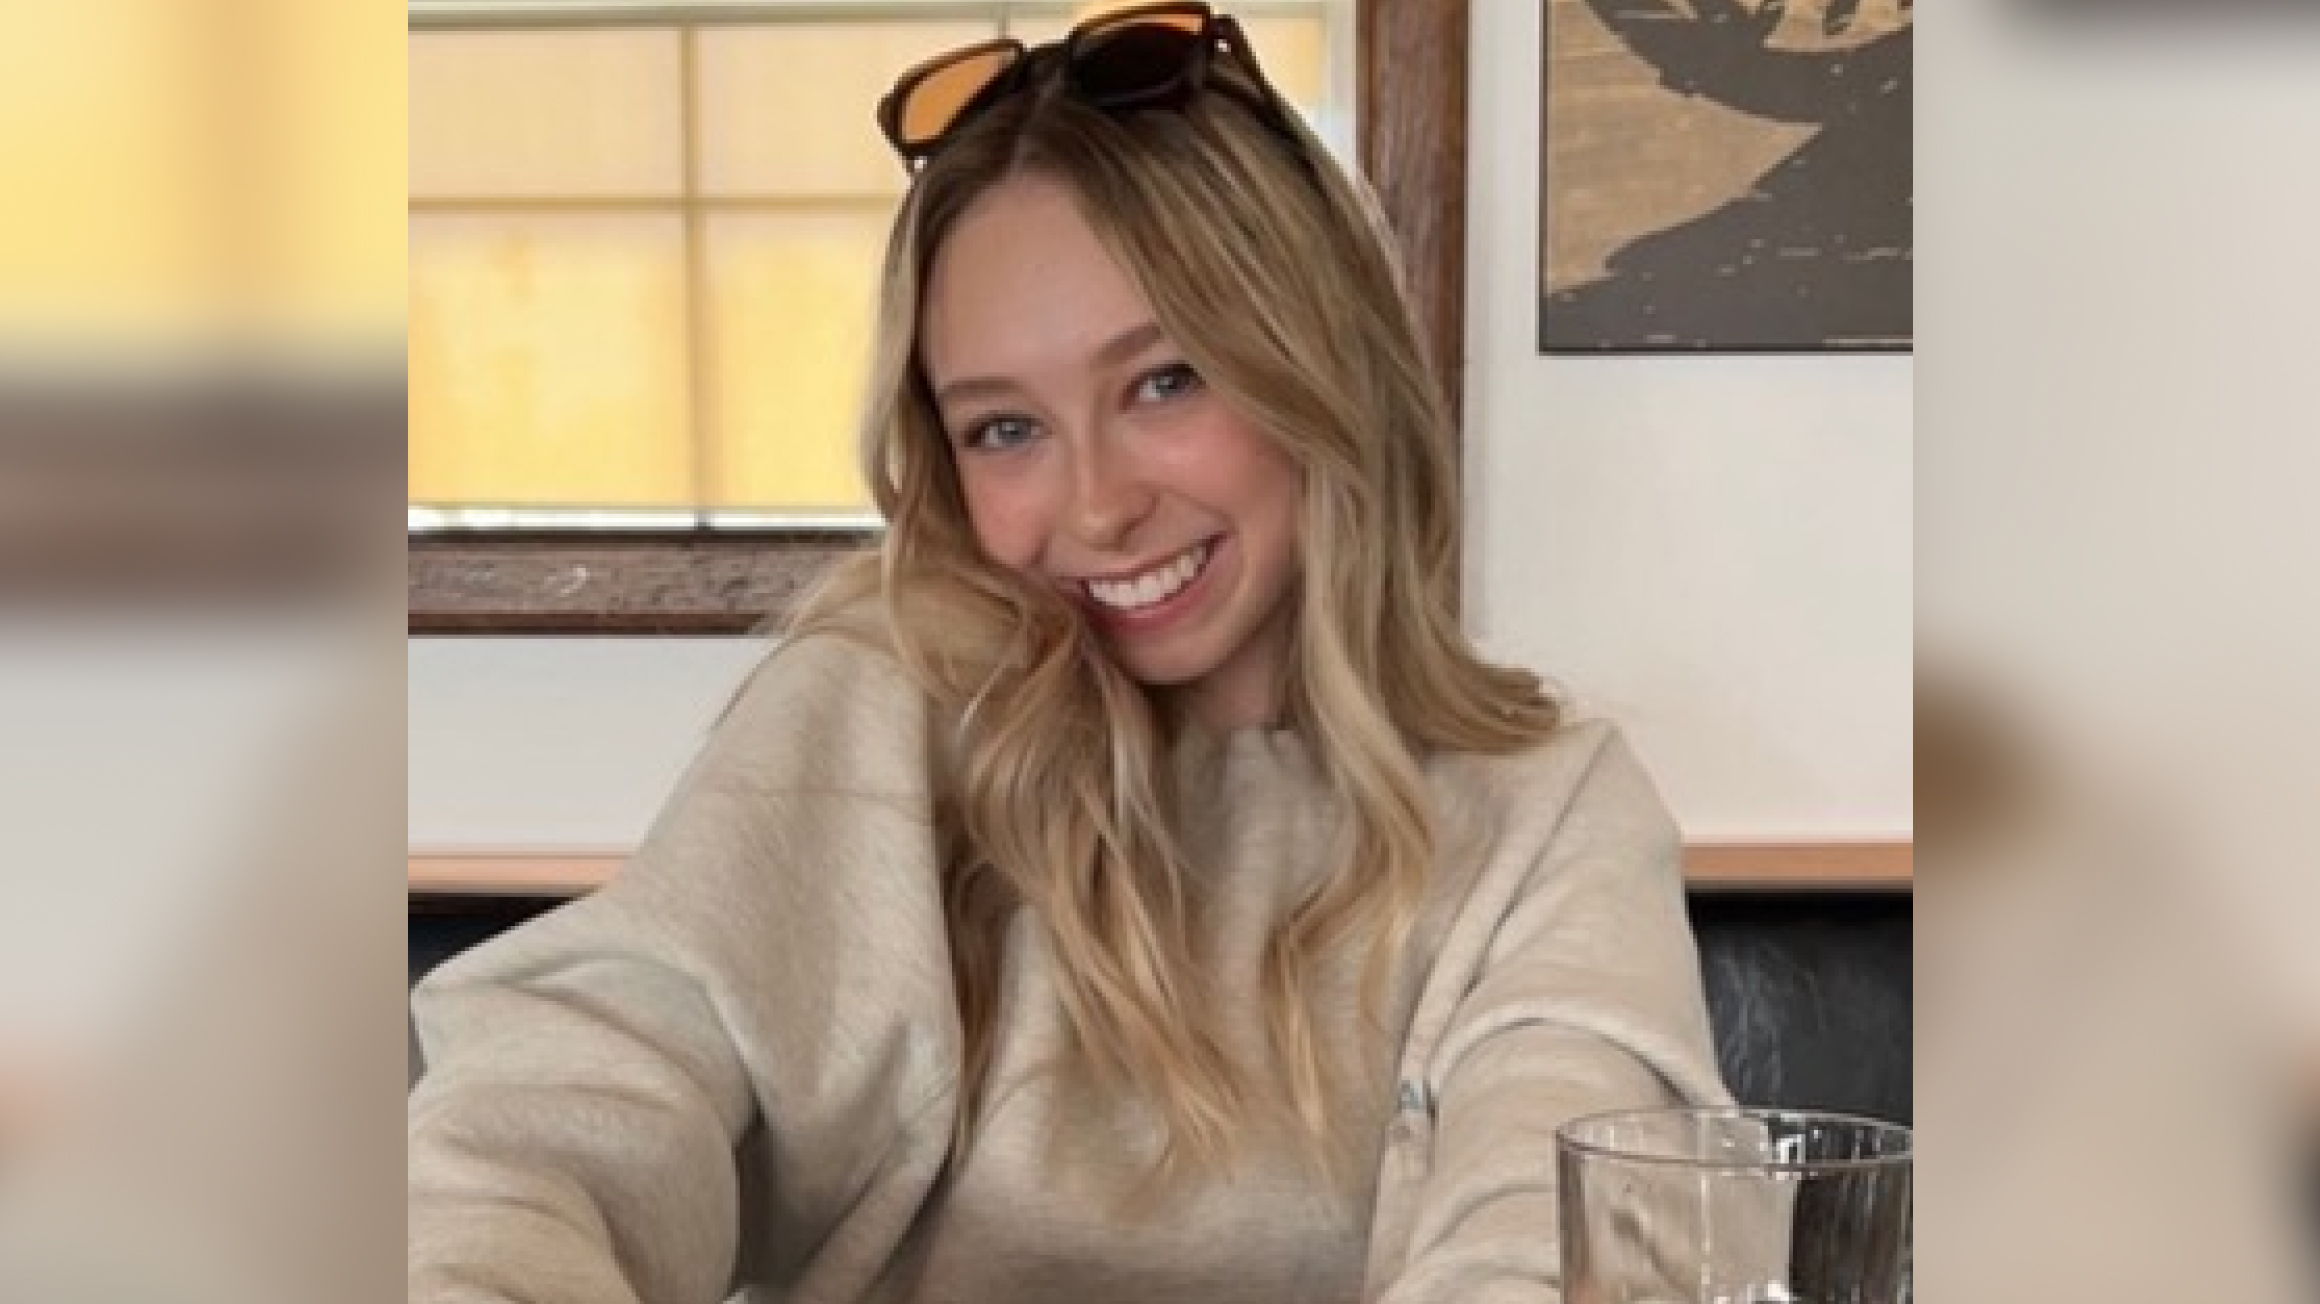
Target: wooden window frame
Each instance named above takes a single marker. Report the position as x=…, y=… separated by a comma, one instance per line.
x=1411, y=129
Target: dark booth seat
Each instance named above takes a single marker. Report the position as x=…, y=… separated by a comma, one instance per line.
x=1810, y=997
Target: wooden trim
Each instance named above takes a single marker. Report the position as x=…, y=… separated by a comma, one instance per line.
x=1725, y=866
x=546, y=876
x=1411, y=86
x=673, y=582
x=1411, y=111
x=1844, y=866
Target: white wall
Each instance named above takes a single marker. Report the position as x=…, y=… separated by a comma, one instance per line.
x=564, y=744
x=1716, y=551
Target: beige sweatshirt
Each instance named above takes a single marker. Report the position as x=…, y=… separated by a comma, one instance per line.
x=733, y=1070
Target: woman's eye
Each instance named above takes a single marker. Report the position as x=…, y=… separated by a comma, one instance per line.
x=1163, y=383
x=998, y=434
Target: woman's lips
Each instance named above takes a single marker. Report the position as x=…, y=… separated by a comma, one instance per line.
x=1165, y=612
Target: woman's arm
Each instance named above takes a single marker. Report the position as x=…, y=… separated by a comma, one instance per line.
x=689, y=1077
x=573, y=1140
x=1588, y=999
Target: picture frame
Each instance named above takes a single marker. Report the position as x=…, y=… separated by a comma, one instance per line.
x=1726, y=176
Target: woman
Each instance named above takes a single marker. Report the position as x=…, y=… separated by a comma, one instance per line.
x=1127, y=885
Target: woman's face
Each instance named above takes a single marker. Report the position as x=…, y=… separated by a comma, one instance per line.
x=1094, y=459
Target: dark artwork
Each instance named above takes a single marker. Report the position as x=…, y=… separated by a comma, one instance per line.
x=1726, y=175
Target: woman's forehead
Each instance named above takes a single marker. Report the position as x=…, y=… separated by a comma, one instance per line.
x=1023, y=283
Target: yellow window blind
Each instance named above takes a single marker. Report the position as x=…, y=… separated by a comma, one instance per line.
x=643, y=256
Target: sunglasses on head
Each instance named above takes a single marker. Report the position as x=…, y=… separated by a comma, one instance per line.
x=1153, y=56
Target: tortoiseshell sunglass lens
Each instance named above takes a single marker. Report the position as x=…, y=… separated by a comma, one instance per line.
x=1138, y=54
x=936, y=95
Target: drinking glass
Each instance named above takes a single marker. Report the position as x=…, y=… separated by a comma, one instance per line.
x=1734, y=1206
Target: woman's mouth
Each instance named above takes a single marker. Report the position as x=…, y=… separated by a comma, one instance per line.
x=1154, y=593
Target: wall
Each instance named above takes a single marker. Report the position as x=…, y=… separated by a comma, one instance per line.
x=556, y=744
x=1715, y=550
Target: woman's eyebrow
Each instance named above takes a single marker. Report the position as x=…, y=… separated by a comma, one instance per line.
x=973, y=387
x=1130, y=342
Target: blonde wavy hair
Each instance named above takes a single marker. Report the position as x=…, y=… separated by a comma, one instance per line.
x=1271, y=269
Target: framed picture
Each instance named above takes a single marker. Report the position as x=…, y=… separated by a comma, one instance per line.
x=1726, y=176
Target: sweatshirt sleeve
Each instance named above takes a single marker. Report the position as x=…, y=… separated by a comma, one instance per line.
x=1587, y=999
x=742, y=1020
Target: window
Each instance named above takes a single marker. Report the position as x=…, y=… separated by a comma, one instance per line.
x=644, y=253
x=643, y=246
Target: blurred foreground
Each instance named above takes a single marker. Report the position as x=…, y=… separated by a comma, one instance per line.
x=2119, y=1002
x=201, y=469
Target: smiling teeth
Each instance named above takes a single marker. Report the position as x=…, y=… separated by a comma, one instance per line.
x=1156, y=585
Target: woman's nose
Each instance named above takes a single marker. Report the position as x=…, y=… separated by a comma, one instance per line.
x=1108, y=496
